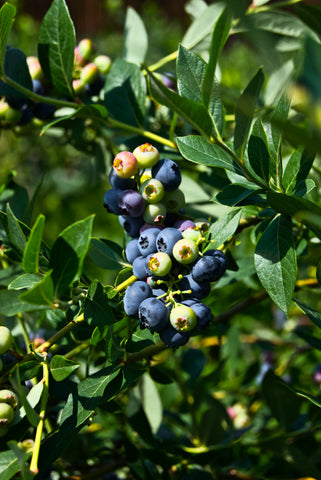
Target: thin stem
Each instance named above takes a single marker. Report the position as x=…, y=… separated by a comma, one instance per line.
x=43, y=405
x=126, y=283
x=169, y=58
x=39, y=98
x=80, y=348
x=62, y=333
x=145, y=353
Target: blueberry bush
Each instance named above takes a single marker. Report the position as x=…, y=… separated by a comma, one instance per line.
x=179, y=338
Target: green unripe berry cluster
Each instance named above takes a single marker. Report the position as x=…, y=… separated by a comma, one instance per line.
x=8, y=404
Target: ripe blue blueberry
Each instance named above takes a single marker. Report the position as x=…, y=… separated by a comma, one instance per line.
x=208, y=269
x=198, y=289
x=43, y=111
x=153, y=314
x=140, y=269
x=132, y=250
x=37, y=87
x=131, y=225
x=131, y=203
x=147, y=241
x=121, y=183
x=168, y=173
x=111, y=199
x=166, y=240
x=217, y=254
x=134, y=295
x=172, y=338
x=203, y=314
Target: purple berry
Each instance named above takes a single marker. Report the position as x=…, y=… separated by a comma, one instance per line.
x=131, y=203
x=183, y=224
x=153, y=314
x=111, y=201
x=168, y=173
x=134, y=295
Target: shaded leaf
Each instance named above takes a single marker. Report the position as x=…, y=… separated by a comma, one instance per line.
x=30, y=259
x=15, y=233
x=275, y=261
x=104, y=254
x=61, y=367
x=16, y=68
x=148, y=395
x=258, y=152
x=7, y=14
x=41, y=293
x=225, y=226
x=97, y=310
x=313, y=315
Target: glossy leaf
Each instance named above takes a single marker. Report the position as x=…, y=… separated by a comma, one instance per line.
x=313, y=314
x=239, y=194
x=275, y=261
x=30, y=259
x=192, y=111
x=11, y=304
x=10, y=464
x=297, y=169
x=97, y=310
x=301, y=209
x=61, y=367
x=29, y=409
x=136, y=41
x=26, y=280
x=244, y=112
x=105, y=255
x=56, y=46
x=225, y=226
x=198, y=150
x=68, y=253
x=7, y=13
x=125, y=92
x=219, y=37
x=41, y=293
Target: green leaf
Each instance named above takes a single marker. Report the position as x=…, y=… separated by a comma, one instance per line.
x=297, y=169
x=244, y=112
x=97, y=310
x=104, y=254
x=31, y=400
x=283, y=403
x=199, y=33
x=16, y=68
x=190, y=71
x=313, y=315
x=11, y=304
x=301, y=209
x=239, y=194
x=310, y=15
x=192, y=111
x=27, y=216
x=30, y=259
x=147, y=393
x=56, y=46
x=219, y=37
x=7, y=14
x=310, y=339
x=15, y=234
x=198, y=150
x=41, y=293
x=275, y=261
x=26, y=280
x=136, y=41
x=61, y=368
x=10, y=464
x=225, y=226
x=125, y=92
x=68, y=253
x=31, y=413
x=258, y=152
x=318, y=273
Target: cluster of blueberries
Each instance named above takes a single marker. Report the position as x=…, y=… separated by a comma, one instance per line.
x=172, y=262
x=88, y=79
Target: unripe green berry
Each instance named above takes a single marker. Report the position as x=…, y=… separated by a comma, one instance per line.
x=125, y=164
x=155, y=213
x=159, y=264
x=5, y=339
x=12, y=115
x=174, y=201
x=4, y=107
x=86, y=48
x=147, y=155
x=146, y=175
x=152, y=190
x=185, y=251
x=9, y=397
x=182, y=318
x=103, y=63
x=192, y=234
x=6, y=414
x=89, y=73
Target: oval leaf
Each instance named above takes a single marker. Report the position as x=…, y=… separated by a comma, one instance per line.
x=61, y=368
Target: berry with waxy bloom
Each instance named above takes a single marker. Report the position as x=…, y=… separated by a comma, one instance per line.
x=168, y=172
x=185, y=251
x=147, y=155
x=172, y=338
x=134, y=295
x=131, y=203
x=125, y=164
x=153, y=314
x=166, y=240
